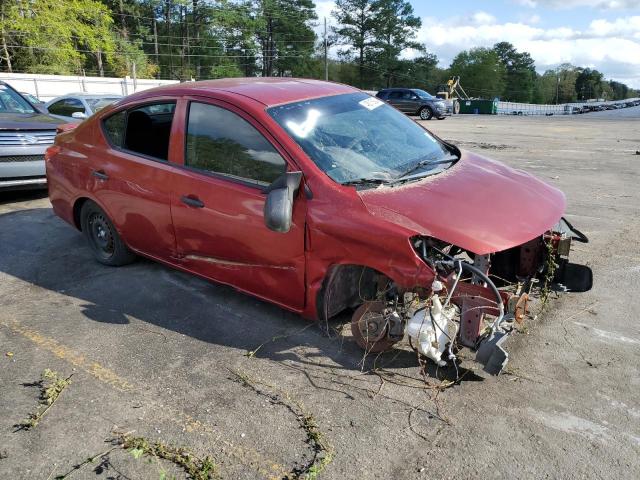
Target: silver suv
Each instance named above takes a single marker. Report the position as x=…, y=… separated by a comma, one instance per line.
x=25, y=134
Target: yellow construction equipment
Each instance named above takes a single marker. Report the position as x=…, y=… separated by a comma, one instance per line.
x=453, y=92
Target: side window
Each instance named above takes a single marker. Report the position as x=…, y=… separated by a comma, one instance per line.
x=145, y=130
x=66, y=107
x=149, y=129
x=220, y=141
x=407, y=95
x=73, y=105
x=57, y=108
x=114, y=128
x=395, y=95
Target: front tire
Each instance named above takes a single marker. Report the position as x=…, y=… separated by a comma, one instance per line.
x=425, y=113
x=104, y=240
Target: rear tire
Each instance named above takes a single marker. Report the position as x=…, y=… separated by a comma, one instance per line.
x=104, y=240
x=425, y=113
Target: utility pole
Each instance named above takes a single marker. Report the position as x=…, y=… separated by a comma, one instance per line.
x=557, y=84
x=326, y=59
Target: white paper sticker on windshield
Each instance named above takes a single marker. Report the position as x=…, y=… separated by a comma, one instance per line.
x=371, y=103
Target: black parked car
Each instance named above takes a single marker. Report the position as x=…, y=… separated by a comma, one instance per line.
x=413, y=101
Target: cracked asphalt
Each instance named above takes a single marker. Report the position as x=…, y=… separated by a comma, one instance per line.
x=158, y=352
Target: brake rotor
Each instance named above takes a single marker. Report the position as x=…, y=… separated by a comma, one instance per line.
x=370, y=327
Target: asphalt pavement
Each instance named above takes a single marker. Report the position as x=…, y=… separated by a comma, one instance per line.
x=176, y=360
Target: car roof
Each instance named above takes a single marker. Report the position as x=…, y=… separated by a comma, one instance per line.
x=85, y=96
x=92, y=95
x=267, y=90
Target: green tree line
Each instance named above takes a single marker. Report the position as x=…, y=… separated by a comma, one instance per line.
x=375, y=43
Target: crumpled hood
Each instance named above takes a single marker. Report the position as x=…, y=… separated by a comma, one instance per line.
x=478, y=204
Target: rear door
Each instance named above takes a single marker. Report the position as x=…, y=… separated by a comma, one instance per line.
x=132, y=177
x=402, y=100
x=413, y=102
x=218, y=202
x=394, y=98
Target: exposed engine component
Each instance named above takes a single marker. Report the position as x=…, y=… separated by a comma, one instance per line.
x=428, y=327
x=465, y=294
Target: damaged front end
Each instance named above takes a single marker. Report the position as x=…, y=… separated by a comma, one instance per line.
x=474, y=300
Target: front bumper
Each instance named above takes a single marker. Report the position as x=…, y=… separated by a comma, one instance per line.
x=22, y=168
x=446, y=111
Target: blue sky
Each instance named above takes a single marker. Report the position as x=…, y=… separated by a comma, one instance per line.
x=602, y=34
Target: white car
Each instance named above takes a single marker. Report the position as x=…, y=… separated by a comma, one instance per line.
x=79, y=105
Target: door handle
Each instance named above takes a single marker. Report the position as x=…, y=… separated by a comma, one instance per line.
x=191, y=201
x=100, y=174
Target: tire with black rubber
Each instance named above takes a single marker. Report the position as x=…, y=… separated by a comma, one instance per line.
x=103, y=238
x=425, y=113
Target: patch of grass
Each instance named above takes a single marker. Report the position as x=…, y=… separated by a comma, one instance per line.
x=322, y=450
x=51, y=386
x=550, y=268
x=196, y=468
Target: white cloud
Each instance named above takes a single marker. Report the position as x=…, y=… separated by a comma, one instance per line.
x=612, y=47
x=324, y=9
x=568, y=4
x=482, y=18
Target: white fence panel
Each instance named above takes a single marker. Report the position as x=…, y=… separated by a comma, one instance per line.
x=46, y=87
x=513, y=108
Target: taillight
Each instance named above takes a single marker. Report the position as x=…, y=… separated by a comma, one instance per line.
x=51, y=152
x=65, y=127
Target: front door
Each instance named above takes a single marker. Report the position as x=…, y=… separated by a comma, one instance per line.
x=217, y=206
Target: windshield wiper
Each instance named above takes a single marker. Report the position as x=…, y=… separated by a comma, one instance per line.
x=424, y=163
x=365, y=181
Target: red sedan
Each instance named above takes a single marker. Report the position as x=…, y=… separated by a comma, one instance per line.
x=314, y=196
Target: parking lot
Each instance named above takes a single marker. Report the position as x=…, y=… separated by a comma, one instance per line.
x=265, y=394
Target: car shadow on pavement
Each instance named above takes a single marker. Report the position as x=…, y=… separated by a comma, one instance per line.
x=41, y=249
x=13, y=196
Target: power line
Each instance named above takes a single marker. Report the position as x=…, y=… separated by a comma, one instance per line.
x=190, y=45
x=178, y=55
x=161, y=20
x=238, y=9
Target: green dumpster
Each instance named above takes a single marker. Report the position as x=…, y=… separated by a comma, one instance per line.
x=487, y=107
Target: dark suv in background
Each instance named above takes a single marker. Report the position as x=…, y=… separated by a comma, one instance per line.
x=25, y=133
x=414, y=101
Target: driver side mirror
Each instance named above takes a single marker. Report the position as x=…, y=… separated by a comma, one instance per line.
x=278, y=208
